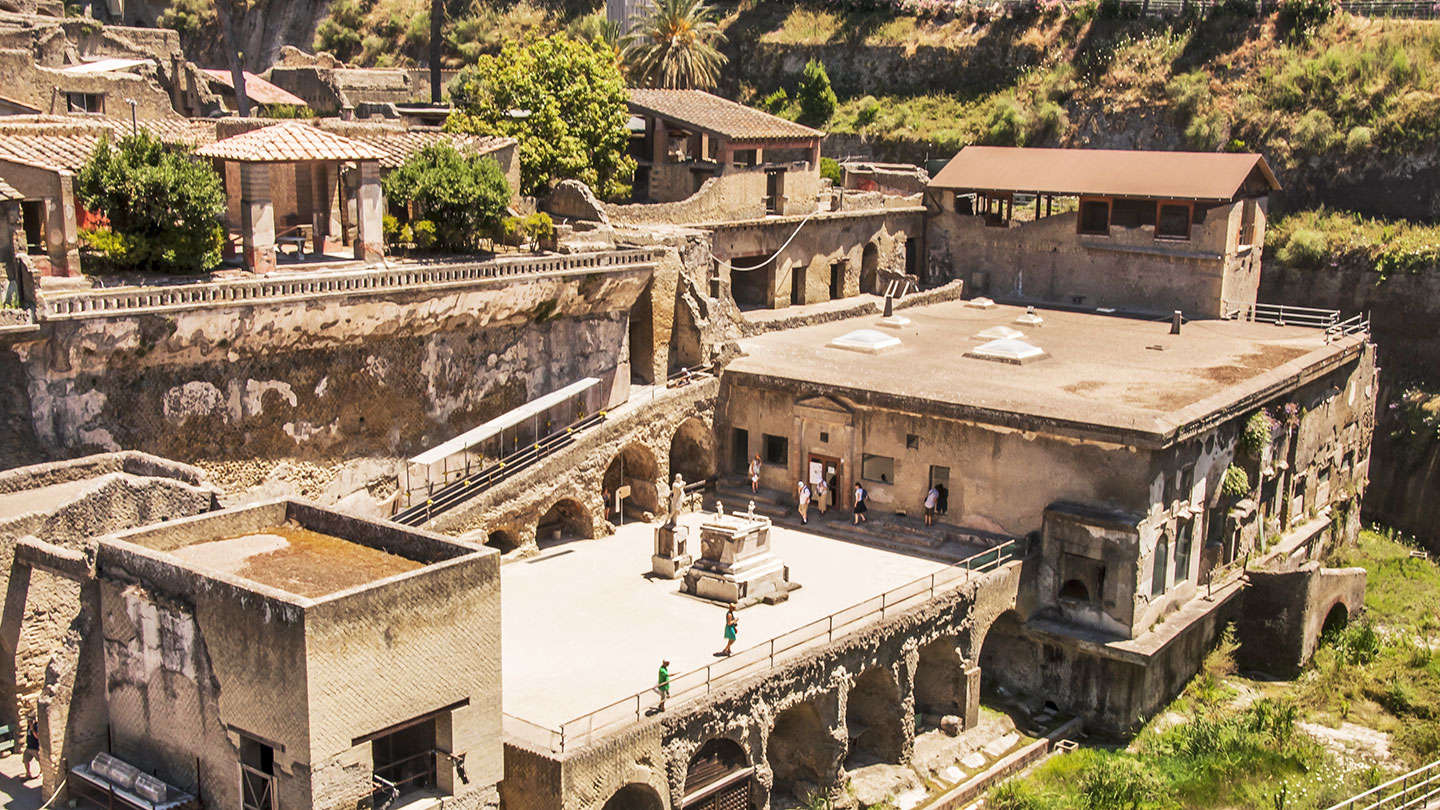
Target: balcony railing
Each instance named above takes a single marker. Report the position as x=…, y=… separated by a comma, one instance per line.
x=1309, y=317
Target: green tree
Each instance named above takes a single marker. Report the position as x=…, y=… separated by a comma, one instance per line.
x=816, y=97
x=164, y=207
x=563, y=100
x=676, y=47
x=464, y=195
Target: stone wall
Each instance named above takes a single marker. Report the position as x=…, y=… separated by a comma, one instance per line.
x=1286, y=610
x=325, y=376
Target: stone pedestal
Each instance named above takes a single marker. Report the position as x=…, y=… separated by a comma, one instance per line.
x=257, y=218
x=736, y=562
x=672, y=551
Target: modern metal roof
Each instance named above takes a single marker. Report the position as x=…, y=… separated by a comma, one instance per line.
x=702, y=111
x=509, y=419
x=105, y=65
x=287, y=142
x=1214, y=176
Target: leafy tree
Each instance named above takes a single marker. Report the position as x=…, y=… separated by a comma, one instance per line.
x=676, y=47
x=463, y=195
x=164, y=207
x=563, y=100
x=816, y=97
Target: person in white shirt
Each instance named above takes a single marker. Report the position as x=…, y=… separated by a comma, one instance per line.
x=804, y=501
x=822, y=494
x=931, y=498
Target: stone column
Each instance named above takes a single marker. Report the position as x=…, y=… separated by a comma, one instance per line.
x=257, y=217
x=660, y=143
x=815, y=155
x=62, y=231
x=970, y=695
x=369, y=208
x=14, y=615
x=320, y=187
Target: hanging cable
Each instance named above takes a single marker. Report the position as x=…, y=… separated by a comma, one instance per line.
x=733, y=269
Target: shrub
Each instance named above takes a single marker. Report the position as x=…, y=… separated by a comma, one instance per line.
x=1236, y=483
x=424, y=234
x=390, y=228
x=1315, y=132
x=1121, y=783
x=869, y=110
x=288, y=111
x=1302, y=17
x=1305, y=248
x=815, y=95
x=1189, y=93
x=164, y=207
x=776, y=102
x=1255, y=437
x=1007, y=124
x=1208, y=130
x=1012, y=794
x=461, y=195
x=1048, y=119
x=1359, y=139
x=830, y=167
x=538, y=228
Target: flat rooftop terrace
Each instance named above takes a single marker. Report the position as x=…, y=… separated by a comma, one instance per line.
x=297, y=560
x=1106, y=371
x=583, y=626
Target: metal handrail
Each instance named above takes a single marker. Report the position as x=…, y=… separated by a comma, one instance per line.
x=1411, y=791
x=581, y=730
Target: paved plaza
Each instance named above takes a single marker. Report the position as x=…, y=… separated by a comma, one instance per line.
x=584, y=626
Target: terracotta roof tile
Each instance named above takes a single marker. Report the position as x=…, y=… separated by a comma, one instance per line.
x=288, y=142
x=723, y=117
x=256, y=88
x=1103, y=172
x=53, y=152
x=8, y=192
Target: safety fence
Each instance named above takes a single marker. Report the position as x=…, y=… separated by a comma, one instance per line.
x=767, y=655
x=1416, y=790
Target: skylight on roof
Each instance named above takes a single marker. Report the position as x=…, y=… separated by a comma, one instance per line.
x=1007, y=350
x=1001, y=333
x=865, y=340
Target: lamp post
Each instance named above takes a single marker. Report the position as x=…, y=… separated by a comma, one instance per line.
x=134, y=124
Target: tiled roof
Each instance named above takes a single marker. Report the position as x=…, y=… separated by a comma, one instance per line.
x=53, y=152
x=288, y=142
x=58, y=145
x=256, y=88
x=704, y=111
x=396, y=147
x=8, y=192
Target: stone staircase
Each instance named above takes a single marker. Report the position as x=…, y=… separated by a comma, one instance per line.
x=888, y=531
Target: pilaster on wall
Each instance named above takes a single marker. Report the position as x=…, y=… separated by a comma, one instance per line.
x=369, y=207
x=257, y=217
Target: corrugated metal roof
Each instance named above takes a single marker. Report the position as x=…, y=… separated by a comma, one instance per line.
x=1103, y=172
x=105, y=65
x=256, y=88
x=286, y=142
x=701, y=110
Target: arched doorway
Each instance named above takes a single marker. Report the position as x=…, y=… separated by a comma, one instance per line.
x=635, y=796
x=719, y=777
x=642, y=339
x=565, y=520
x=636, y=468
x=870, y=269
x=800, y=752
x=938, y=676
x=1009, y=665
x=874, y=718
x=692, y=451
x=503, y=539
x=1335, y=620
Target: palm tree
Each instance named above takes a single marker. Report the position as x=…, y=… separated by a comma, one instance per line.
x=675, y=47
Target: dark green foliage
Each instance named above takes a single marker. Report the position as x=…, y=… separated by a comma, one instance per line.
x=164, y=207
x=815, y=95
x=1256, y=435
x=776, y=103
x=1301, y=17
x=288, y=111
x=1236, y=483
x=830, y=167
x=1123, y=783
x=339, y=33
x=462, y=196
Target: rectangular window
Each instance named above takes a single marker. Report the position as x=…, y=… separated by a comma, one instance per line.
x=257, y=774
x=32, y=218
x=1162, y=563
x=1172, y=221
x=912, y=441
x=1184, y=544
x=404, y=761
x=877, y=468
x=777, y=450
x=824, y=437
x=965, y=204
x=1247, y=223
x=85, y=102
x=1095, y=217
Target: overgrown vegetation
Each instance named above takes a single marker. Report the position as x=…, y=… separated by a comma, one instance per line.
x=1229, y=741
x=814, y=96
x=1322, y=238
x=163, y=208
x=461, y=196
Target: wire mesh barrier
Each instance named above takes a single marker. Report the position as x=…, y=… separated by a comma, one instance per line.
x=1415, y=790
x=764, y=656
x=320, y=284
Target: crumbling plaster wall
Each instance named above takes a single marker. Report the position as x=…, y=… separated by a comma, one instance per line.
x=746, y=712
x=1286, y=610
x=1129, y=269
x=576, y=472
x=325, y=377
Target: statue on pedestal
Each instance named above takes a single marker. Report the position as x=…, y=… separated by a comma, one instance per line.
x=677, y=499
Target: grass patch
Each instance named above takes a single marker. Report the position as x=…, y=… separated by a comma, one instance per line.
x=1320, y=238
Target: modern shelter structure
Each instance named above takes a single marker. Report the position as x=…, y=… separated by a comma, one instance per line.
x=316, y=159
x=1101, y=228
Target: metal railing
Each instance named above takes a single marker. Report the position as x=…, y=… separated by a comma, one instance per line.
x=1353, y=325
x=1282, y=315
x=1413, y=791
x=321, y=284
x=586, y=728
x=1414, y=9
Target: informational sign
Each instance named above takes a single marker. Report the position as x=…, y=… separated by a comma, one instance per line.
x=817, y=471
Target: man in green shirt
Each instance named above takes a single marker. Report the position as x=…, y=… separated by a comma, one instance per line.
x=662, y=684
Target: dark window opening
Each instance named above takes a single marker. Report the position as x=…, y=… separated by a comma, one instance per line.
x=1132, y=213
x=1173, y=221
x=824, y=437
x=32, y=217
x=774, y=191
x=1075, y=589
x=1184, y=545
x=837, y=280
x=404, y=761
x=739, y=450
x=1162, y=562
x=1247, y=223
x=877, y=468
x=1095, y=217
x=257, y=774
x=965, y=204
x=777, y=450
x=912, y=441
x=85, y=102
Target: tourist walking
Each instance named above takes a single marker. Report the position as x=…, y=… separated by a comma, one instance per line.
x=732, y=628
x=822, y=494
x=755, y=473
x=804, y=501
x=32, y=745
x=662, y=683
x=932, y=499
x=860, y=506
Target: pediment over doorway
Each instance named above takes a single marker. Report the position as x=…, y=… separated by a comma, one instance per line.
x=825, y=408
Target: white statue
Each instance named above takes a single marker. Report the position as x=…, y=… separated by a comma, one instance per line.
x=677, y=499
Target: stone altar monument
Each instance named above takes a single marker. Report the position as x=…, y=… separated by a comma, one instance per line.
x=672, y=541
x=736, y=562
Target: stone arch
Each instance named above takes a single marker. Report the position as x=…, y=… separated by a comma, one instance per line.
x=1075, y=589
x=798, y=752
x=939, y=679
x=870, y=268
x=566, y=519
x=874, y=718
x=634, y=466
x=1004, y=651
x=719, y=777
x=503, y=538
x=635, y=796
x=692, y=451
x=1335, y=619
